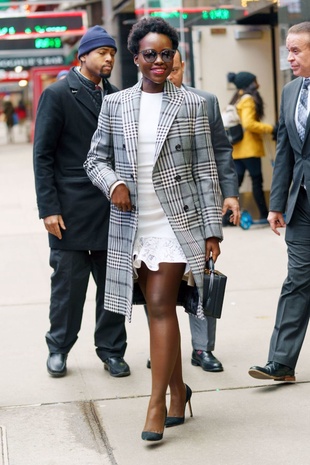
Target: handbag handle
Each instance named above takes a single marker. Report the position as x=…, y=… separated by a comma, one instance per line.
x=210, y=268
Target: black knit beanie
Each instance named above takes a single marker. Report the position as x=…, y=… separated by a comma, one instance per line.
x=95, y=37
x=241, y=80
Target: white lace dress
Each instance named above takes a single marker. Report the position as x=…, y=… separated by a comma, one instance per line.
x=155, y=240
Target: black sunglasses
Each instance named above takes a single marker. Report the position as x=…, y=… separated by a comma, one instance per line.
x=151, y=55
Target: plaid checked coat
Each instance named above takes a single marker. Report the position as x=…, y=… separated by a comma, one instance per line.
x=184, y=177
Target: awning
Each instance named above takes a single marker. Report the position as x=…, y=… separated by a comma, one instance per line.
x=267, y=15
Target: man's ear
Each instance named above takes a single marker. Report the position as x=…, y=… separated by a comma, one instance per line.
x=135, y=59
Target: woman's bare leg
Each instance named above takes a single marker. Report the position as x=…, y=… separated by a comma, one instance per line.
x=161, y=290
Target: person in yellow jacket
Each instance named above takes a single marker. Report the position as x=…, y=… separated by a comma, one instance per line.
x=248, y=152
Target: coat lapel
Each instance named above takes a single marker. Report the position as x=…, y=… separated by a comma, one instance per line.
x=80, y=93
x=171, y=103
x=130, y=118
x=172, y=100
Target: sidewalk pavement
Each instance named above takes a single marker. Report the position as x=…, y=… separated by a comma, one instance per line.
x=90, y=418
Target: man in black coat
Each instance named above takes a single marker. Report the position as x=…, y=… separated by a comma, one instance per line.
x=75, y=213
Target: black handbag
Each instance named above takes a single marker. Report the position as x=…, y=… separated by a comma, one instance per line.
x=214, y=284
x=234, y=134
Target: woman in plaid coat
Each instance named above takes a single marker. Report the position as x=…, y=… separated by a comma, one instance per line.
x=152, y=157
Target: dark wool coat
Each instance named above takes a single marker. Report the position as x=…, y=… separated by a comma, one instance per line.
x=184, y=176
x=65, y=122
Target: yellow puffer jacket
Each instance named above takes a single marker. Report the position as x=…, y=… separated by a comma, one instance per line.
x=251, y=145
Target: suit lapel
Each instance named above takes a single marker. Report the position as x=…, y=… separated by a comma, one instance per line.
x=295, y=95
x=293, y=99
x=307, y=130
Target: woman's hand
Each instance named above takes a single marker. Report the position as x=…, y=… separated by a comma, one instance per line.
x=121, y=198
x=212, y=248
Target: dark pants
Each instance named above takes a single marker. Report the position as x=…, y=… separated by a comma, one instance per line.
x=69, y=283
x=254, y=166
x=294, y=303
x=203, y=332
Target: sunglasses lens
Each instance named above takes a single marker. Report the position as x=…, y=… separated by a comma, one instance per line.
x=149, y=56
x=167, y=55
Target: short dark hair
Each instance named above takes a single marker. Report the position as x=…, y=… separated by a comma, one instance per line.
x=149, y=24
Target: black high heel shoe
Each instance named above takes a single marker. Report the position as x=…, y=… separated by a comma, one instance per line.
x=151, y=435
x=176, y=421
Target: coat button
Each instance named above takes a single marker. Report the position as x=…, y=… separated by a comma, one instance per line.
x=178, y=178
x=185, y=208
x=124, y=146
x=133, y=208
x=178, y=147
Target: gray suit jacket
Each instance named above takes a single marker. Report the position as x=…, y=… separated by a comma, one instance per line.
x=292, y=164
x=184, y=177
x=221, y=146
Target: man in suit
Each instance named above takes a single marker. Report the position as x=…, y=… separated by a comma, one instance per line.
x=203, y=331
x=290, y=191
x=75, y=213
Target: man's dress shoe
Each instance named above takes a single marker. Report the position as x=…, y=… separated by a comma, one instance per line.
x=206, y=360
x=117, y=367
x=56, y=365
x=273, y=370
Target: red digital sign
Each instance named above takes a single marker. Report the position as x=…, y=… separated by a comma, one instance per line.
x=48, y=24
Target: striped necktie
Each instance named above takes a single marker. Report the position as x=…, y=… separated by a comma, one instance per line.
x=302, y=112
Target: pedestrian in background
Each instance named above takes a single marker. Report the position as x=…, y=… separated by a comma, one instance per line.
x=21, y=112
x=152, y=156
x=62, y=74
x=75, y=213
x=248, y=152
x=8, y=110
x=290, y=192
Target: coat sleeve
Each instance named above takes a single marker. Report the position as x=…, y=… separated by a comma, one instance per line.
x=222, y=150
x=247, y=113
x=48, y=127
x=99, y=164
x=284, y=166
x=206, y=176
